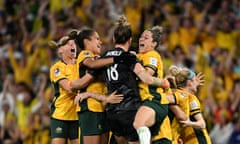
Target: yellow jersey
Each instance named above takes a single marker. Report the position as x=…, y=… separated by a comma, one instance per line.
x=192, y=135
x=152, y=59
x=63, y=107
x=165, y=131
x=97, y=86
x=182, y=100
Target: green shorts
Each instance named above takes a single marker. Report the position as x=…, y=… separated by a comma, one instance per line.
x=64, y=129
x=161, y=112
x=92, y=123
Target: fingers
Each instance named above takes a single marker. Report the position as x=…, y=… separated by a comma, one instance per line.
x=78, y=99
x=114, y=92
x=165, y=83
x=115, y=98
x=200, y=76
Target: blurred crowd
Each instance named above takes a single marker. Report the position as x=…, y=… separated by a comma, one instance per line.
x=203, y=35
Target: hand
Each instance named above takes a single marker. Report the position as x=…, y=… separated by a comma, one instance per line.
x=114, y=98
x=125, y=57
x=80, y=97
x=186, y=122
x=180, y=141
x=199, y=79
x=165, y=84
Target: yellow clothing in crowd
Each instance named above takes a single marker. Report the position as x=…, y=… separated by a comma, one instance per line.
x=23, y=74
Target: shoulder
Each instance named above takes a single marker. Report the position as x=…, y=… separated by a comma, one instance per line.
x=58, y=64
x=194, y=102
x=57, y=70
x=84, y=54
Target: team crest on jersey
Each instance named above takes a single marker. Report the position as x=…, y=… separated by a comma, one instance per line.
x=86, y=54
x=57, y=72
x=193, y=105
x=182, y=95
x=58, y=130
x=153, y=61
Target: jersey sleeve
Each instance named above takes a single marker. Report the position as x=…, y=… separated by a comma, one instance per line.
x=151, y=60
x=176, y=98
x=83, y=55
x=57, y=72
x=194, y=105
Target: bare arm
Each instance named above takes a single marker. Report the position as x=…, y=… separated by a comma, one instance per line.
x=178, y=113
x=112, y=98
x=200, y=123
x=76, y=84
x=140, y=71
x=97, y=63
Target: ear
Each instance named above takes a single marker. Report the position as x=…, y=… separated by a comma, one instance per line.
x=154, y=44
x=113, y=39
x=130, y=41
x=85, y=42
x=59, y=53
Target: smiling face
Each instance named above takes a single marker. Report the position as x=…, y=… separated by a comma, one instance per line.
x=146, y=42
x=94, y=44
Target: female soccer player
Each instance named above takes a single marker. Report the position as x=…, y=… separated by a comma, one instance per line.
x=153, y=113
x=64, y=120
x=193, y=130
x=91, y=114
x=122, y=77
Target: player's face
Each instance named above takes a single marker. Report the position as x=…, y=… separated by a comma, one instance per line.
x=146, y=42
x=95, y=44
x=69, y=49
x=194, y=84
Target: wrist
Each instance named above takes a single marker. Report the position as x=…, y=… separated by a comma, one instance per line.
x=70, y=85
x=164, y=83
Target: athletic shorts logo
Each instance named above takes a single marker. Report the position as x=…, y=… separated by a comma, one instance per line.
x=99, y=126
x=58, y=130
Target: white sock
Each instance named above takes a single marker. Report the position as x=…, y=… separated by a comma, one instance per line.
x=144, y=135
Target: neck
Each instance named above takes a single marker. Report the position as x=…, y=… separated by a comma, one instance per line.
x=68, y=60
x=125, y=47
